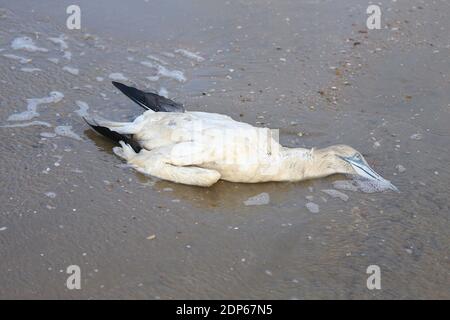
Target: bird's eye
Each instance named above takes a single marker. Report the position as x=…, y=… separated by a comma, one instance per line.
x=357, y=156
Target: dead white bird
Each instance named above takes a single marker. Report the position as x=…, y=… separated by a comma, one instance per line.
x=198, y=148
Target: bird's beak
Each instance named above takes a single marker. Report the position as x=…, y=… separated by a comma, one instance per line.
x=363, y=169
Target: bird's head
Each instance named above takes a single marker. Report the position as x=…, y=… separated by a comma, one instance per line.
x=345, y=159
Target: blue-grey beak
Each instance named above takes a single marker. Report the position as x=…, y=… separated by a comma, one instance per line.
x=363, y=169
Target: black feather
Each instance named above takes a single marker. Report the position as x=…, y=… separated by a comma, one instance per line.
x=114, y=136
x=149, y=100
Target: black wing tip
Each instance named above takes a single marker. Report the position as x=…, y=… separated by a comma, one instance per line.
x=119, y=85
x=149, y=100
x=134, y=94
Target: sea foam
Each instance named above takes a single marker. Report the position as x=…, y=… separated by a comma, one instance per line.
x=83, y=108
x=71, y=70
x=27, y=44
x=33, y=103
x=18, y=58
x=336, y=194
x=258, y=200
x=61, y=41
x=117, y=76
x=190, y=55
x=312, y=207
x=30, y=69
x=363, y=185
x=164, y=72
x=27, y=124
x=157, y=59
x=163, y=92
x=66, y=131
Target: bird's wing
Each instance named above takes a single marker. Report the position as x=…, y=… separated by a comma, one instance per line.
x=149, y=100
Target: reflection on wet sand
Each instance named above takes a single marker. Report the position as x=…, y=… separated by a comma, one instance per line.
x=223, y=194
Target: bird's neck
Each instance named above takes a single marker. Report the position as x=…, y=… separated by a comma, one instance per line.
x=297, y=164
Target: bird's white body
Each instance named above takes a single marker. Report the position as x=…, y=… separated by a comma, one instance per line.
x=200, y=148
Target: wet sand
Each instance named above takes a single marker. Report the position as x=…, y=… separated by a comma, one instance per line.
x=309, y=68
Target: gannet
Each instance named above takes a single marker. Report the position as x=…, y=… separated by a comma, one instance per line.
x=200, y=148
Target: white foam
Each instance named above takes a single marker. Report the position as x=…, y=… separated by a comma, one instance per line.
x=54, y=60
x=58, y=162
x=18, y=58
x=157, y=59
x=258, y=200
x=83, y=108
x=33, y=103
x=174, y=74
x=24, y=116
x=117, y=76
x=61, y=41
x=66, y=131
x=190, y=55
x=168, y=54
x=153, y=78
x=27, y=44
x=345, y=185
x=164, y=72
x=99, y=79
x=67, y=55
x=371, y=186
x=363, y=185
x=312, y=207
x=149, y=64
x=71, y=70
x=47, y=134
x=63, y=46
x=163, y=92
x=3, y=228
x=50, y=194
x=336, y=194
x=27, y=124
x=30, y=69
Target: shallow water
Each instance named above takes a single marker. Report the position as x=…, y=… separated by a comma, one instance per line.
x=308, y=68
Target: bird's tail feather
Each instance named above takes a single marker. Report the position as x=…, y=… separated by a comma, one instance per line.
x=112, y=135
x=107, y=123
